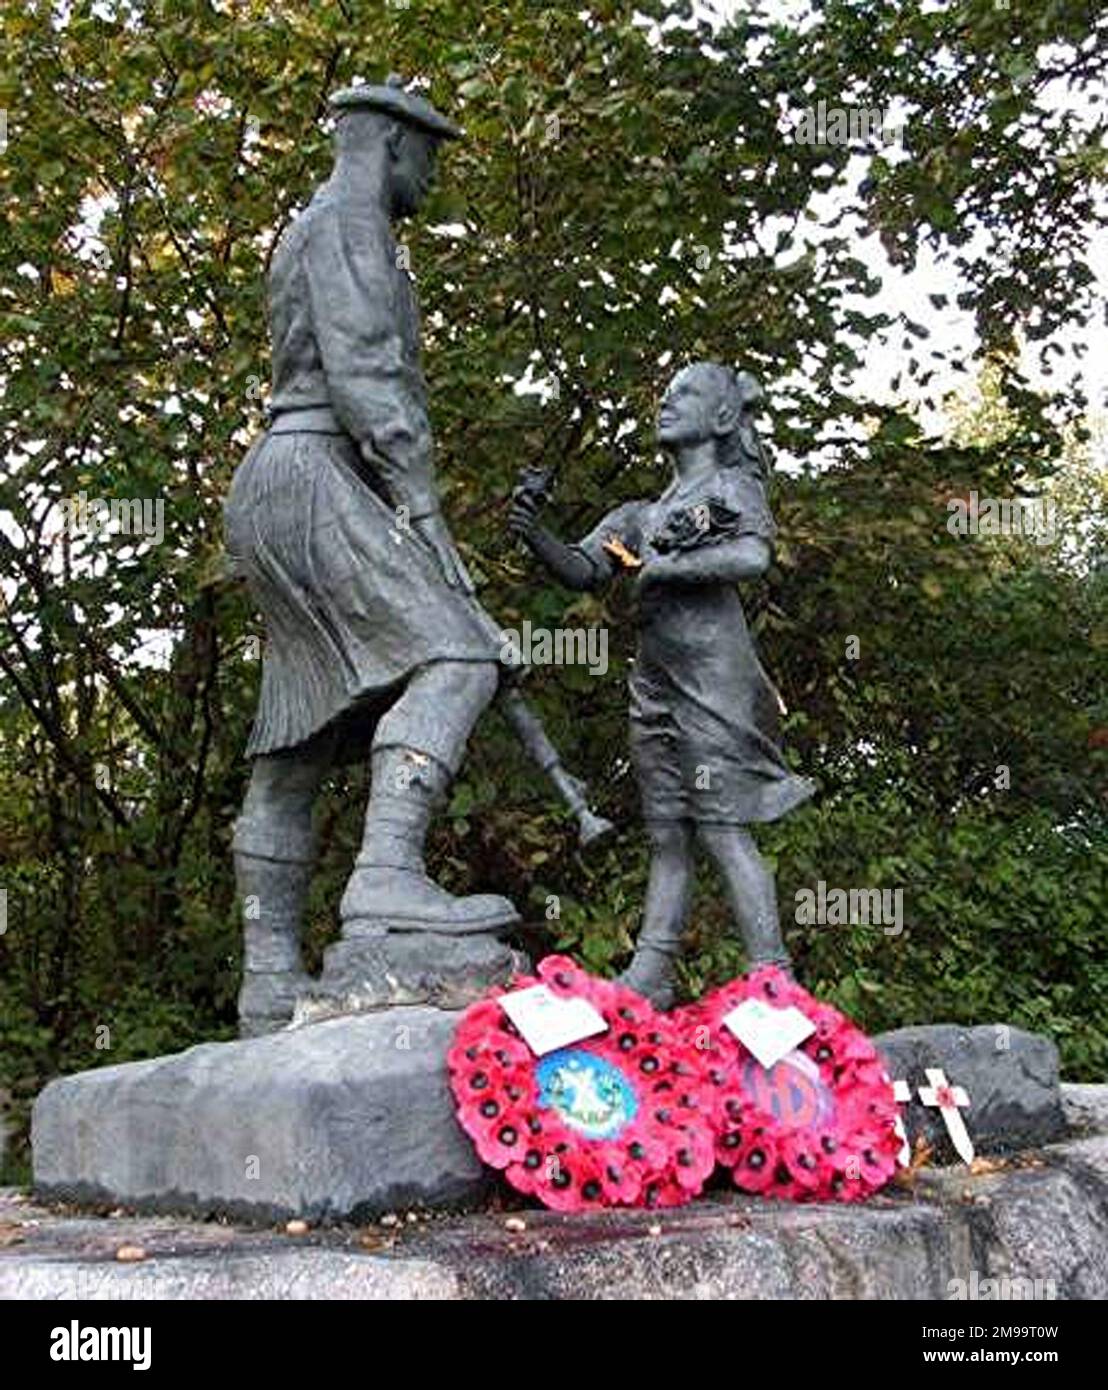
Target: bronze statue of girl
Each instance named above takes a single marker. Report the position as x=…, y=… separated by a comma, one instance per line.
x=704, y=714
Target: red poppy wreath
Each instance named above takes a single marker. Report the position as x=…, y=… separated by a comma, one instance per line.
x=818, y=1125
x=612, y=1120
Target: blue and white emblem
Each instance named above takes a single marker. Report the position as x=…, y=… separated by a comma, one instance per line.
x=590, y=1093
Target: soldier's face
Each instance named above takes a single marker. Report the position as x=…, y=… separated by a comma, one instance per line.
x=414, y=156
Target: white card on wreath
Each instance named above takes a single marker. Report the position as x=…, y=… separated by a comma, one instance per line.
x=768, y=1032
x=547, y=1021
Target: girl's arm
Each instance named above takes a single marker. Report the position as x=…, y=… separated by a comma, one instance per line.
x=567, y=563
x=724, y=562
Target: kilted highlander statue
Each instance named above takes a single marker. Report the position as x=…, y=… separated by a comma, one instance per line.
x=373, y=635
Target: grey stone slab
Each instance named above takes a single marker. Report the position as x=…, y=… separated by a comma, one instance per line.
x=1042, y=1219
x=1085, y=1107
x=344, y=1116
x=1011, y=1077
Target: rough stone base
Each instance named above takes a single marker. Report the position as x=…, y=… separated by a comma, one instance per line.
x=350, y=1116
x=1085, y=1107
x=375, y=970
x=345, y=1117
x=1046, y=1223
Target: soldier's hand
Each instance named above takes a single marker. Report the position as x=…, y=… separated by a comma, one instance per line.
x=433, y=531
x=462, y=575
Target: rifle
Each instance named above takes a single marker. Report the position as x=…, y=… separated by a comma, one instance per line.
x=528, y=727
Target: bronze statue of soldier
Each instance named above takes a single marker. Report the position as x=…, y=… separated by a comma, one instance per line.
x=373, y=634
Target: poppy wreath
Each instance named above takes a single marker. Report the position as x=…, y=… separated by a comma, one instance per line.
x=820, y=1125
x=613, y=1120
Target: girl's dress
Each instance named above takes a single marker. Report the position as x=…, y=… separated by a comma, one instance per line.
x=704, y=714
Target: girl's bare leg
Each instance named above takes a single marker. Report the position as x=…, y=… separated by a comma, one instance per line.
x=651, y=971
x=750, y=891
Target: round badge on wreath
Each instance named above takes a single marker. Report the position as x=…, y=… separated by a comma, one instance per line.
x=820, y=1123
x=610, y=1119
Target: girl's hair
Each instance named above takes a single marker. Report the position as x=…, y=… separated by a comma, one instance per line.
x=742, y=448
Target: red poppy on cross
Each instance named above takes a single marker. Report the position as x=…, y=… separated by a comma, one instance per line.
x=950, y=1100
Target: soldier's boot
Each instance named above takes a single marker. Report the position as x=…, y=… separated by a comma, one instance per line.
x=652, y=972
x=389, y=886
x=272, y=883
x=750, y=892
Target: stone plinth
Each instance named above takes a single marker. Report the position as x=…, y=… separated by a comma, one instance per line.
x=1028, y=1232
x=341, y=1118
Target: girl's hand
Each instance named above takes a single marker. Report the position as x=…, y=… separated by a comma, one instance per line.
x=523, y=515
x=657, y=569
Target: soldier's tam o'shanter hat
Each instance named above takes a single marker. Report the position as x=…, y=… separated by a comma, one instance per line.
x=394, y=99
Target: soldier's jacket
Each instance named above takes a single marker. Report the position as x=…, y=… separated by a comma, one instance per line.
x=345, y=331
x=354, y=601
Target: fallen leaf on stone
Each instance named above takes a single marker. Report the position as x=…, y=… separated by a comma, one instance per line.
x=11, y=1233
x=370, y=1240
x=923, y=1152
x=627, y=558
x=921, y=1157
x=981, y=1164
x=130, y=1254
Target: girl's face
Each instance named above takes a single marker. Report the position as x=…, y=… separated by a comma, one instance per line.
x=689, y=410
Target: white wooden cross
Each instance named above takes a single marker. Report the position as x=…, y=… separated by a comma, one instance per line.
x=949, y=1100
x=902, y=1092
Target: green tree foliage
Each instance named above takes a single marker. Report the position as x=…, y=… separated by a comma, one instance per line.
x=631, y=195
